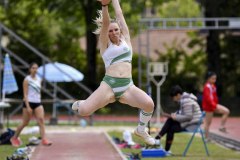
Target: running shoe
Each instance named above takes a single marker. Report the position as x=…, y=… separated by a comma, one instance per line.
x=223, y=129
x=145, y=137
x=168, y=153
x=158, y=142
x=75, y=105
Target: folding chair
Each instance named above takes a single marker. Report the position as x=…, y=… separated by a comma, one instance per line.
x=197, y=130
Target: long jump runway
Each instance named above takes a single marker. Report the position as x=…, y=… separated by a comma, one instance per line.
x=77, y=146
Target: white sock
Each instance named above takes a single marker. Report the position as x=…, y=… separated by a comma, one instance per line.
x=144, y=118
x=76, y=105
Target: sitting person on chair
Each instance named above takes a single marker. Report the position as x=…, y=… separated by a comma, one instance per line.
x=185, y=119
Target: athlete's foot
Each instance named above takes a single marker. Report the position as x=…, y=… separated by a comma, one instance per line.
x=145, y=137
x=16, y=142
x=46, y=142
x=223, y=129
x=75, y=105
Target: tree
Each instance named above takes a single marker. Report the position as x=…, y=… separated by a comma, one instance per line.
x=40, y=25
x=55, y=27
x=221, y=49
x=180, y=9
x=185, y=68
x=88, y=10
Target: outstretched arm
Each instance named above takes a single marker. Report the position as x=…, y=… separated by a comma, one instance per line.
x=121, y=19
x=103, y=37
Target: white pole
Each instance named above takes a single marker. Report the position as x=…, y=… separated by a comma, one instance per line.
x=158, y=104
x=3, y=96
x=158, y=69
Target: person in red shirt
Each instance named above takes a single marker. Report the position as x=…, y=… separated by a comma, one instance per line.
x=211, y=105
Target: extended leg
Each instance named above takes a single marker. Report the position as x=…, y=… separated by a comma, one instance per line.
x=39, y=113
x=98, y=99
x=15, y=140
x=208, y=121
x=225, y=112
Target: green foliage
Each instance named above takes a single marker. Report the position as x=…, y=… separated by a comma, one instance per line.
x=180, y=9
x=104, y=110
x=186, y=67
x=41, y=26
x=230, y=62
x=53, y=28
x=134, y=11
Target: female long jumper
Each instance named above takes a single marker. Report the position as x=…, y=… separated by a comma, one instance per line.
x=117, y=84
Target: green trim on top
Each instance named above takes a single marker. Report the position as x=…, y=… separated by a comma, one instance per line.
x=122, y=56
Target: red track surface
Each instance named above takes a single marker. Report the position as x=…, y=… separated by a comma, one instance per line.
x=94, y=146
x=232, y=124
x=76, y=146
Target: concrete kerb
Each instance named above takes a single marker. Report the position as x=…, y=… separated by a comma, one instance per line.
x=227, y=142
x=115, y=146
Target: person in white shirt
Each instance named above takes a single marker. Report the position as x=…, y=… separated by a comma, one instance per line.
x=117, y=84
x=32, y=104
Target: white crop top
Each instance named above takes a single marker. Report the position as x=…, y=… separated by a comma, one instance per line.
x=34, y=89
x=115, y=54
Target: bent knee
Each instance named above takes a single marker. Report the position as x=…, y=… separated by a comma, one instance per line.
x=227, y=112
x=149, y=105
x=84, y=111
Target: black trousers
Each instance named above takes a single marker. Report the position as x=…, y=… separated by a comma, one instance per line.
x=170, y=127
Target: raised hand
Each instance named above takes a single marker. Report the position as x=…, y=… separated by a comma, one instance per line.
x=104, y=2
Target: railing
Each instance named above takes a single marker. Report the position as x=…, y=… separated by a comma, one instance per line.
x=152, y=24
x=190, y=23
x=40, y=55
x=44, y=59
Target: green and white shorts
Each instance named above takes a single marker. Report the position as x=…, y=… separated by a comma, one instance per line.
x=118, y=85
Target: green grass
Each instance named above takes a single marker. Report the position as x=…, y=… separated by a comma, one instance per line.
x=196, y=151
x=8, y=150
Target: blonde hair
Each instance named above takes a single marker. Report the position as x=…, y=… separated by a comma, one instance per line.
x=99, y=20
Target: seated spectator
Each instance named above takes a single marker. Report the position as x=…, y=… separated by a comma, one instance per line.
x=185, y=119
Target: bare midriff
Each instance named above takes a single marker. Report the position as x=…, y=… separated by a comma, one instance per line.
x=120, y=70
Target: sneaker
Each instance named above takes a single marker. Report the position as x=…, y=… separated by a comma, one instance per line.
x=46, y=142
x=34, y=141
x=145, y=137
x=16, y=142
x=223, y=129
x=23, y=151
x=75, y=105
x=168, y=153
x=158, y=142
